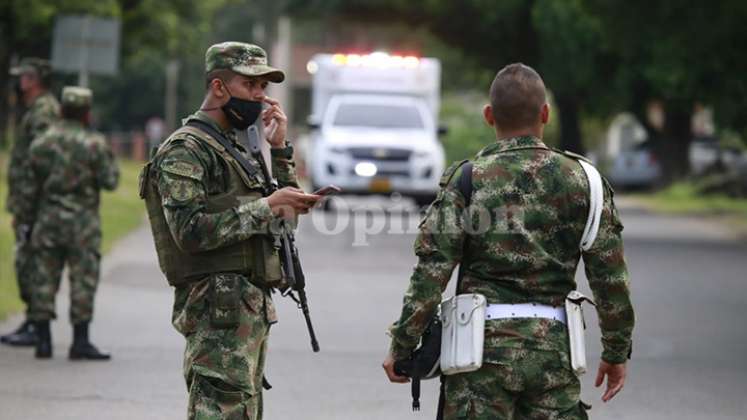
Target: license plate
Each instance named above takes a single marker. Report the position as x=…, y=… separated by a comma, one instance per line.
x=380, y=185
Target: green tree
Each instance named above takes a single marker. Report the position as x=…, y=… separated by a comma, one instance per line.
x=679, y=54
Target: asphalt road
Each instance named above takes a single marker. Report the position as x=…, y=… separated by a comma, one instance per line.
x=689, y=360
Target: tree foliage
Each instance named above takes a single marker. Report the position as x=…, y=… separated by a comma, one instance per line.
x=598, y=57
x=679, y=54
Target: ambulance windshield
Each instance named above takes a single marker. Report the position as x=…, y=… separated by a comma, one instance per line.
x=378, y=116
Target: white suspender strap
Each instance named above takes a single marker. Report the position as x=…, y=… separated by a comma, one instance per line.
x=596, y=202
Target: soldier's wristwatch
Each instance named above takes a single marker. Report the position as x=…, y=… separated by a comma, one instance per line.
x=285, y=152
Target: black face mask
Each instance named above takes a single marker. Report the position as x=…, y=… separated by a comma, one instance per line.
x=241, y=113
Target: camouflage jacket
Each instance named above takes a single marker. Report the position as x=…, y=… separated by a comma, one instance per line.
x=43, y=112
x=519, y=243
x=188, y=171
x=68, y=166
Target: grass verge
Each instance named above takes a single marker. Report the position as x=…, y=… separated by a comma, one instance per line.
x=9, y=301
x=684, y=198
x=121, y=212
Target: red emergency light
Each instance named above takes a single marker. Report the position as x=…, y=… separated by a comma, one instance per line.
x=376, y=59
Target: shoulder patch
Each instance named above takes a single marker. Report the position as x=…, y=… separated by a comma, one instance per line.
x=450, y=172
x=182, y=190
x=183, y=168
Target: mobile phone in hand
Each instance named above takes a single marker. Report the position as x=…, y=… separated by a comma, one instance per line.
x=328, y=190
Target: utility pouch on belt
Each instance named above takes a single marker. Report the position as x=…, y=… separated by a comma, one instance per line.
x=576, y=328
x=267, y=264
x=463, y=334
x=225, y=300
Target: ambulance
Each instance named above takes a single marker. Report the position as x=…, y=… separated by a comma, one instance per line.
x=374, y=121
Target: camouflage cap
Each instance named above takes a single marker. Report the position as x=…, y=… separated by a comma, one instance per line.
x=36, y=65
x=242, y=58
x=76, y=96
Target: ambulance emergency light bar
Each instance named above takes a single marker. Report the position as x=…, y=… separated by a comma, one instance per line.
x=376, y=60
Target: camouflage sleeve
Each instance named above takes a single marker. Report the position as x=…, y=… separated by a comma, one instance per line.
x=15, y=170
x=28, y=195
x=184, y=197
x=284, y=170
x=41, y=117
x=609, y=282
x=439, y=249
x=107, y=170
x=18, y=178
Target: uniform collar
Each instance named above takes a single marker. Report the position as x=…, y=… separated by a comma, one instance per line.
x=519, y=142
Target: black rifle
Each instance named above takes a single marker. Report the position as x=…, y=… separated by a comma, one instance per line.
x=288, y=251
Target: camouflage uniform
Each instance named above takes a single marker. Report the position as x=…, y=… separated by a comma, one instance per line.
x=537, y=201
x=40, y=115
x=225, y=354
x=67, y=168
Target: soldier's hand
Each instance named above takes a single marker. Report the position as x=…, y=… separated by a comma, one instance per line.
x=289, y=202
x=276, y=123
x=388, y=366
x=615, y=378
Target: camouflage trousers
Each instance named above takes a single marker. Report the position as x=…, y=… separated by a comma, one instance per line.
x=525, y=385
x=22, y=258
x=226, y=321
x=47, y=265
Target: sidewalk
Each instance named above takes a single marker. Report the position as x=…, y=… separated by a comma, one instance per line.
x=143, y=381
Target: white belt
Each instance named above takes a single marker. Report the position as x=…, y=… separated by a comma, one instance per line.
x=525, y=310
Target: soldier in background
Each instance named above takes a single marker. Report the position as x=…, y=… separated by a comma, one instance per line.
x=42, y=110
x=527, y=255
x=67, y=168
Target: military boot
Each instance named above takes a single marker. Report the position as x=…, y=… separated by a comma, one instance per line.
x=82, y=349
x=25, y=335
x=44, y=341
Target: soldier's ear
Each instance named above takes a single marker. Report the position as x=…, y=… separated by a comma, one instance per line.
x=487, y=114
x=216, y=88
x=545, y=113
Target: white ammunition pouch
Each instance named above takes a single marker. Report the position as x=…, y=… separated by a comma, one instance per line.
x=573, y=310
x=576, y=327
x=463, y=333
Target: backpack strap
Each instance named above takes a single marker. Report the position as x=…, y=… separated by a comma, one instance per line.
x=596, y=198
x=596, y=203
x=464, y=183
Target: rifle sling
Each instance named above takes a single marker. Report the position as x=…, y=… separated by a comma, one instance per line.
x=243, y=162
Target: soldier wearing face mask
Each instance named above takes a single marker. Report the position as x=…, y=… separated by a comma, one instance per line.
x=212, y=223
